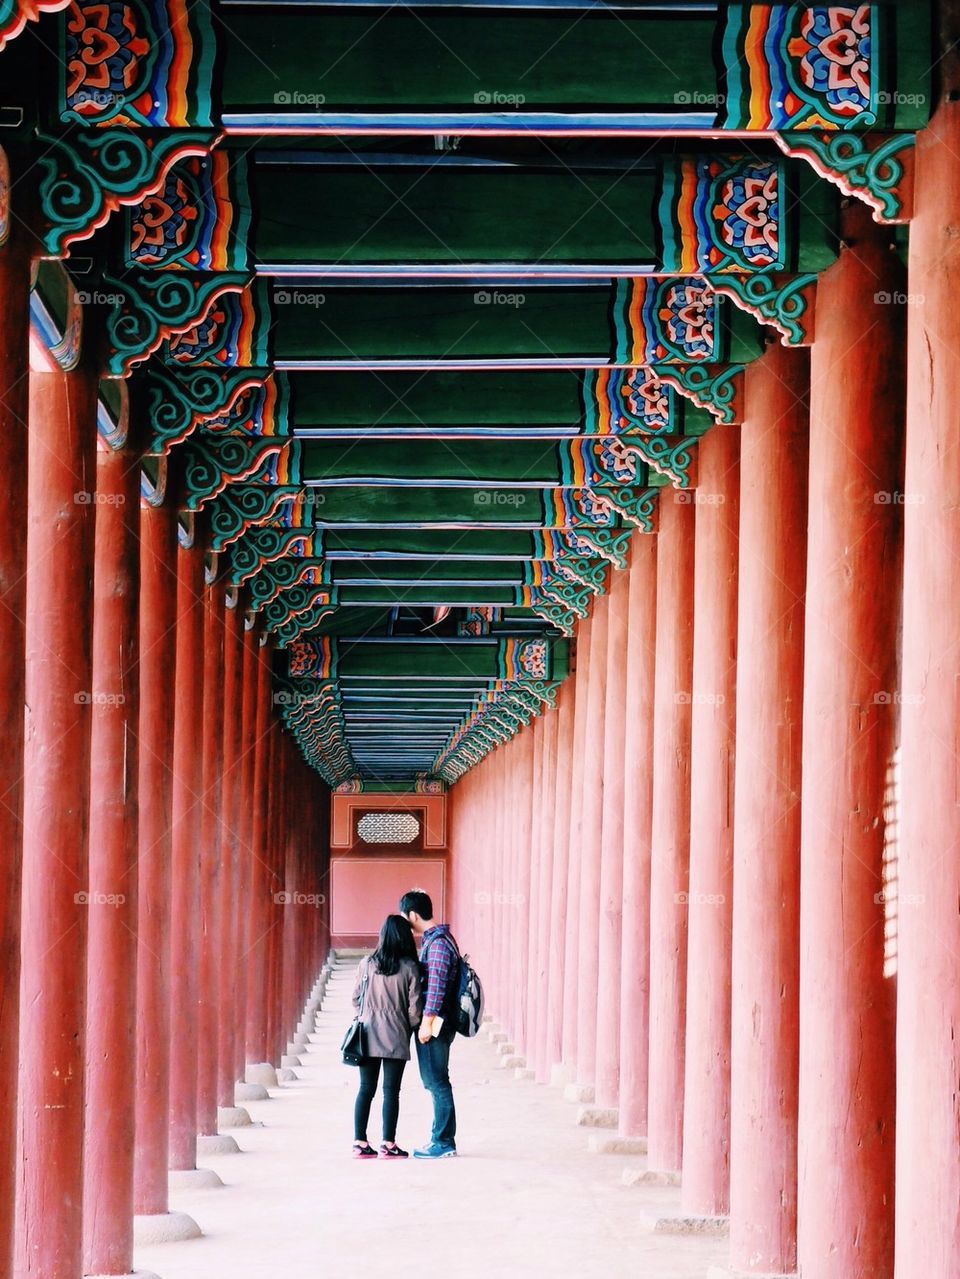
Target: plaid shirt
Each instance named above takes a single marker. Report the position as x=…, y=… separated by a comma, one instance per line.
x=441, y=956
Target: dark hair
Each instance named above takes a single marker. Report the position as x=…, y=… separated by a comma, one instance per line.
x=419, y=901
x=396, y=943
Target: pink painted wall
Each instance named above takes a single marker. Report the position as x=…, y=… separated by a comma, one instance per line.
x=364, y=890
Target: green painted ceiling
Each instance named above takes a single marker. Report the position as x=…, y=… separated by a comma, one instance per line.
x=419, y=307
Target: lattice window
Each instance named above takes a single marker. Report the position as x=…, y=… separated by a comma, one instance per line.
x=388, y=828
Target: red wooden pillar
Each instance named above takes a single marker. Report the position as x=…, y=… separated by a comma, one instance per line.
x=571, y=992
x=212, y=901
x=670, y=831
x=14, y=358
x=185, y=865
x=766, y=836
x=591, y=775
x=529, y=911
x=231, y=827
x=928, y=931
x=260, y=903
x=846, y=1148
x=278, y=912
x=637, y=818
x=158, y=656
x=112, y=894
x=706, y=1095
x=247, y=800
x=561, y=787
x=610, y=898
x=56, y=787
x=547, y=863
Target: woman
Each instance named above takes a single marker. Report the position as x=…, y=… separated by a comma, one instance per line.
x=392, y=1008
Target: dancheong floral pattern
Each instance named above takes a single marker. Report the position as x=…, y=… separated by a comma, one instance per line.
x=107, y=54
x=834, y=49
x=688, y=315
x=748, y=215
x=164, y=224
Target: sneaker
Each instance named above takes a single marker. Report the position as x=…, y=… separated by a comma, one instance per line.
x=363, y=1150
x=435, y=1151
x=393, y=1152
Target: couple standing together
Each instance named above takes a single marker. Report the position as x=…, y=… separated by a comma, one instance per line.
x=395, y=994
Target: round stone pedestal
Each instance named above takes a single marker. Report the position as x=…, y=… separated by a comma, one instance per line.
x=164, y=1227
x=216, y=1144
x=262, y=1072
x=233, y=1117
x=193, y=1179
x=249, y=1092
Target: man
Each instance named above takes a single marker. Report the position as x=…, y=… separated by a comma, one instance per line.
x=439, y=964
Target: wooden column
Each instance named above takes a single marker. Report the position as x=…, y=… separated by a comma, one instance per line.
x=248, y=800
x=637, y=818
x=556, y=965
x=571, y=1002
x=231, y=827
x=56, y=787
x=529, y=912
x=846, y=1118
x=185, y=864
x=212, y=901
x=546, y=921
x=112, y=894
x=766, y=833
x=158, y=682
x=14, y=358
x=610, y=900
x=927, y=923
x=260, y=915
x=591, y=775
x=670, y=832
x=706, y=1113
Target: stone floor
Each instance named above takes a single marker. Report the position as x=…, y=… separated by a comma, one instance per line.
x=525, y=1199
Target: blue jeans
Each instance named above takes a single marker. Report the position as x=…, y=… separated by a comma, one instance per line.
x=434, y=1059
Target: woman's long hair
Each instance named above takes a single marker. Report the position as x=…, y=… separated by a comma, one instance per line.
x=396, y=943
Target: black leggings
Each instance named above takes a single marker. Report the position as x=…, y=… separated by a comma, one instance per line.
x=369, y=1074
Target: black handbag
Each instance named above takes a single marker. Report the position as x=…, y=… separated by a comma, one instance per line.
x=354, y=1046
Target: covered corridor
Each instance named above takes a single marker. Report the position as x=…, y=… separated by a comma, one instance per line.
x=526, y=1196
x=507, y=449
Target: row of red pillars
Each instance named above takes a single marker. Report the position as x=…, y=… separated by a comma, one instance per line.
x=163, y=914
x=715, y=889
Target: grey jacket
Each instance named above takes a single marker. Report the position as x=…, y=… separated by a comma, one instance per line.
x=392, y=1007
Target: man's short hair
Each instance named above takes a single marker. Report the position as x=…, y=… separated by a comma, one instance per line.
x=419, y=902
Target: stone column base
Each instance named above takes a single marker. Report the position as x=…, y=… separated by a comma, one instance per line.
x=243, y=1091
x=216, y=1144
x=581, y=1093
x=679, y=1223
x=559, y=1075
x=649, y=1177
x=233, y=1117
x=131, y=1274
x=261, y=1072
x=290, y=1059
x=724, y=1272
x=522, y=1072
x=163, y=1227
x=597, y=1117
x=617, y=1145
x=286, y=1076
x=193, y=1179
